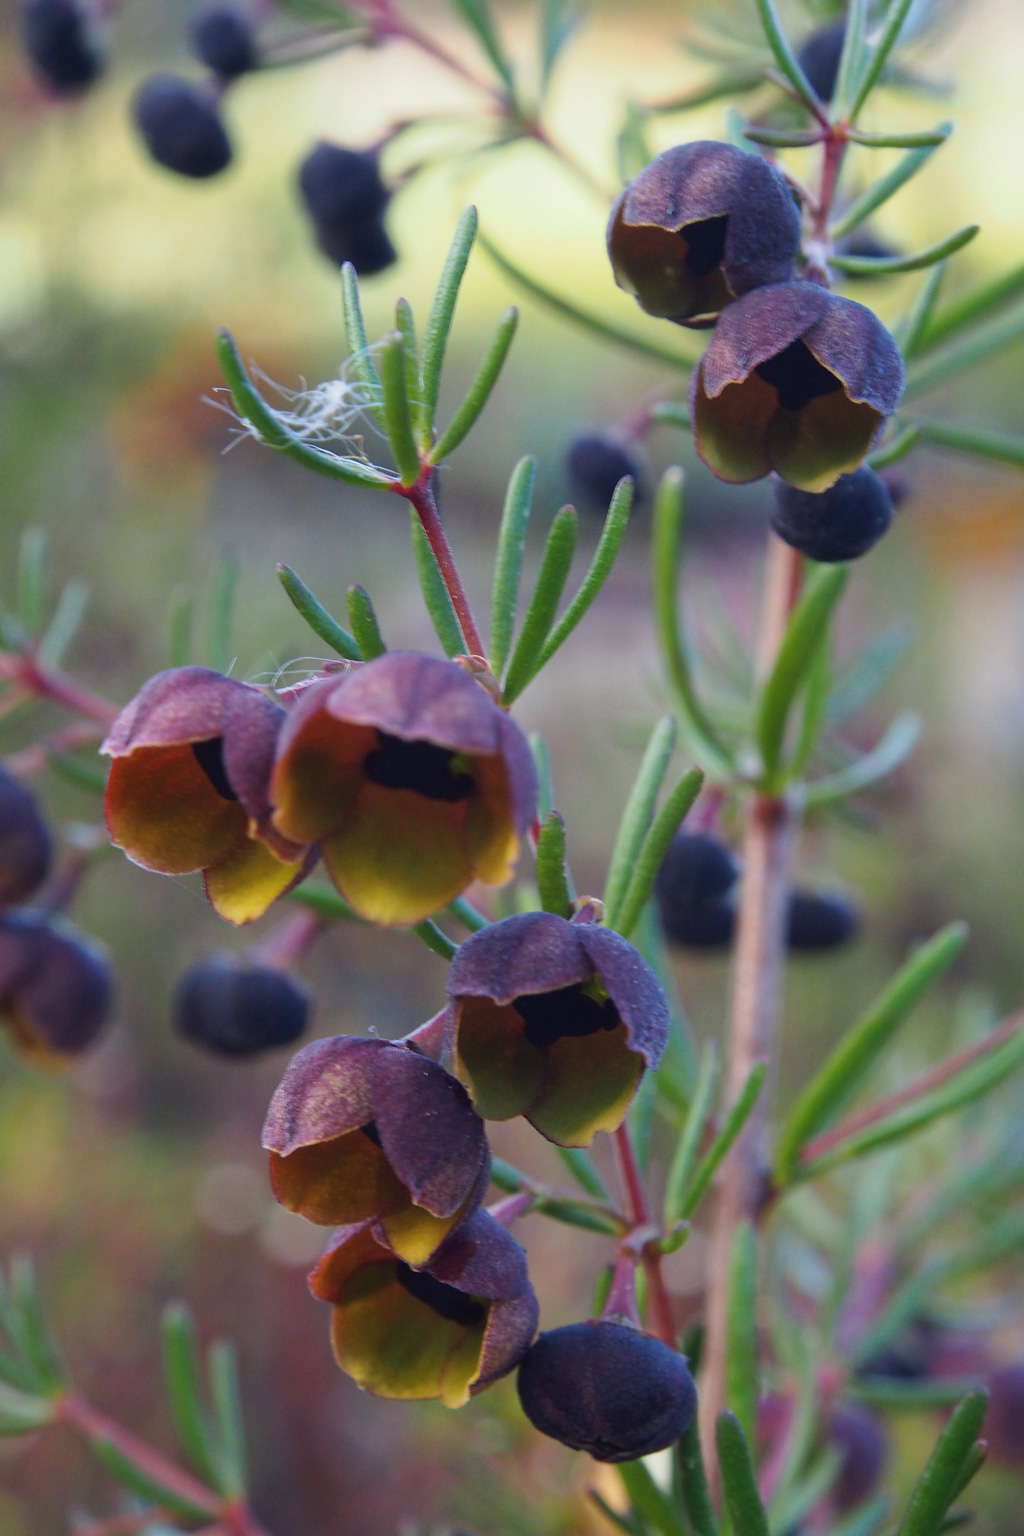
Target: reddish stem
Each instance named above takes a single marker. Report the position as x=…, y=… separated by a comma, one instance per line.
x=288, y=943
x=96, y=1426
x=662, y=1320
x=421, y=495
x=36, y=758
x=387, y=22
x=49, y=684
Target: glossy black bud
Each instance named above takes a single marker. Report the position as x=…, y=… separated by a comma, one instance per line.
x=819, y=59
x=223, y=40
x=820, y=922
x=594, y=466
x=181, y=126
x=608, y=1389
x=858, y=1436
x=234, y=1007
x=841, y=523
x=25, y=844
x=62, y=44
x=345, y=197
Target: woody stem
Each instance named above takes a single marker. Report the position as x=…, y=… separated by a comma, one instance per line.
x=422, y=497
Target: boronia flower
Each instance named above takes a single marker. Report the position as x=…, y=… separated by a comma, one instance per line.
x=361, y=1129
x=797, y=380
x=446, y=1331
x=555, y=1021
x=25, y=843
x=412, y=780
x=701, y=225
x=192, y=755
x=55, y=988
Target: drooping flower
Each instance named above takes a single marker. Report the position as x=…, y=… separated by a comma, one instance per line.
x=222, y=38
x=232, y=1006
x=362, y=1129
x=181, y=126
x=62, y=40
x=555, y=1021
x=346, y=199
x=410, y=778
x=26, y=847
x=444, y=1331
x=695, y=891
x=56, y=990
x=797, y=380
x=192, y=755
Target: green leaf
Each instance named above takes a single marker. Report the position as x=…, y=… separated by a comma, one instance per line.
x=542, y=761
x=227, y=1408
x=32, y=1334
x=742, y=1376
x=439, y=321
x=880, y=266
x=733, y=1124
x=632, y=142
x=572, y=1214
x=360, y=356
x=940, y=1480
x=731, y=82
x=804, y=635
x=316, y=615
x=184, y=1393
x=477, y=16
x=695, y=1492
x=690, y=1137
x=508, y=563
x=479, y=392
x=887, y=1392
x=865, y=1520
x=508, y=1178
x=880, y=191
x=785, y=57
x=405, y=325
x=89, y=775
x=555, y=565
x=974, y=305
x=598, y=571
x=965, y=353
x=21, y=1413
x=630, y=1522
x=911, y=332
x=893, y=749
x=365, y=628
x=63, y=627
x=739, y=1480
x=1002, y=447
x=180, y=647
x=784, y=138
x=146, y=1487
x=929, y=136
x=219, y=646
x=435, y=593
x=891, y=29
x=557, y=20
x=898, y=446
x=641, y=1119
x=653, y=850
x=32, y=551
x=397, y=416
x=671, y=413
x=638, y=811
x=581, y=1165
x=853, y=1058
x=268, y=427
x=852, y=57
x=677, y=1074
x=596, y=323
x=647, y=1497
x=556, y=894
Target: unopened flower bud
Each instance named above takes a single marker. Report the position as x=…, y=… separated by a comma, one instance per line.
x=25, y=844
x=55, y=988
x=232, y=1006
x=693, y=891
x=222, y=39
x=345, y=197
x=1004, y=1422
x=819, y=59
x=607, y=1388
x=595, y=465
x=841, y=523
x=181, y=126
x=858, y=1436
x=61, y=42
x=819, y=921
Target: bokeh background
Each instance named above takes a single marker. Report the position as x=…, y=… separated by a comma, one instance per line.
x=137, y=1176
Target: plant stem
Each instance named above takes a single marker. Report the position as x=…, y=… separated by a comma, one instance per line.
x=662, y=1321
x=46, y=683
x=421, y=495
x=288, y=943
x=96, y=1426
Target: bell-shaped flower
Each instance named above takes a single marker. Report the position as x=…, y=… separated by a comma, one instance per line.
x=412, y=780
x=26, y=847
x=446, y=1331
x=56, y=990
x=701, y=225
x=192, y=755
x=361, y=1129
x=555, y=1021
x=797, y=380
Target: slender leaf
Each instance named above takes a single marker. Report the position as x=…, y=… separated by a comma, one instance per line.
x=33, y=1335
x=439, y=321
x=184, y=1393
x=145, y=1486
x=898, y=446
x=629, y=1522
x=1002, y=447
x=435, y=594
x=508, y=563
x=647, y=1497
x=653, y=850
x=880, y=191
x=397, y=415
x=972, y=1465
x=671, y=413
x=690, y=1137
x=574, y=1214
x=731, y=82
x=555, y=565
x=433, y=937
x=63, y=627
x=919, y=140
x=542, y=761
x=893, y=26
x=881, y=266
x=784, y=138
x=365, y=628
x=598, y=571
x=405, y=325
x=180, y=647
x=974, y=305
x=888, y=1392
x=865, y=1520
x=851, y=59
x=677, y=1074
x=557, y=20
x=508, y=1178
x=637, y=813
x=477, y=16
x=938, y=1484
x=893, y=749
x=219, y=644
x=739, y=1480
x=360, y=356
x=227, y=1408
x=556, y=893
x=32, y=551
x=806, y=631
x=633, y=148
x=86, y=774
x=815, y=709
x=641, y=1119
x=742, y=1377
x=733, y=1124
x=695, y=1492
x=911, y=333
x=480, y=390
x=785, y=57
x=808, y=1490
x=316, y=615
x=934, y=369
x=21, y=1413
x=581, y=1165
x=845, y=1069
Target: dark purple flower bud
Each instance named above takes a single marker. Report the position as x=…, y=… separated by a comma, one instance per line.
x=608, y=1389
x=818, y=922
x=55, y=989
x=555, y=1021
x=819, y=59
x=595, y=465
x=700, y=225
x=25, y=844
x=445, y=1331
x=367, y=246
x=362, y=1129
x=797, y=380
x=61, y=41
x=181, y=126
x=841, y=523
x=346, y=198
x=222, y=39
x=230, y=1005
x=693, y=889
x=710, y=925
x=1004, y=1422
x=859, y=1437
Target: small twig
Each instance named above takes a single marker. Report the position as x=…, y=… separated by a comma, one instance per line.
x=288, y=943
x=46, y=683
x=36, y=758
x=650, y=1254
x=421, y=495
x=96, y=1426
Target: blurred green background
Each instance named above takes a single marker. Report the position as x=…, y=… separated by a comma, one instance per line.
x=137, y=1176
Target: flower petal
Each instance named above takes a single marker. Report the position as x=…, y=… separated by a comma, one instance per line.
x=589, y=1083
x=162, y=809
x=247, y=881
x=401, y=856
x=812, y=447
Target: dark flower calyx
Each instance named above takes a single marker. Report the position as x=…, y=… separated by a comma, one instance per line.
x=841, y=523
x=820, y=921
x=428, y=769
x=222, y=39
x=819, y=58
x=607, y=1388
x=454, y=1306
x=232, y=1006
x=181, y=127
x=595, y=465
x=61, y=44
x=26, y=847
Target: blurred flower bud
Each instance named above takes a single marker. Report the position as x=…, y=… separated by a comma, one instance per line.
x=345, y=197
x=858, y=1436
x=192, y=755
x=797, y=380
x=181, y=126
x=362, y=1129
x=222, y=39
x=1004, y=1421
x=555, y=1021
x=693, y=889
x=445, y=1331
x=818, y=921
x=230, y=1005
x=841, y=523
x=411, y=778
x=608, y=1389
x=55, y=988
x=819, y=59
x=25, y=844
x=709, y=925
x=595, y=465
x=61, y=41
x=700, y=225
